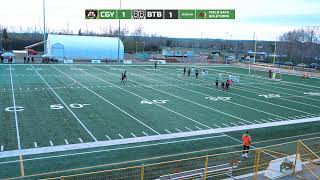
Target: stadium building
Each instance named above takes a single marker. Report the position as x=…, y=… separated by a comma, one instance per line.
x=84, y=47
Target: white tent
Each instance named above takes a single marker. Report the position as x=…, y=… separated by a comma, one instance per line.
x=84, y=47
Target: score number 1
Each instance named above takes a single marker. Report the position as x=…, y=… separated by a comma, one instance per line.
x=171, y=14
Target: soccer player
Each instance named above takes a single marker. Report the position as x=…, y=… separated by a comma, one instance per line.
x=184, y=71
x=197, y=73
x=222, y=86
x=122, y=78
x=189, y=71
x=125, y=76
x=155, y=65
x=227, y=84
x=270, y=73
x=217, y=83
x=246, y=139
x=274, y=75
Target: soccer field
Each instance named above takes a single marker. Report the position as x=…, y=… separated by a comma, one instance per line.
x=74, y=116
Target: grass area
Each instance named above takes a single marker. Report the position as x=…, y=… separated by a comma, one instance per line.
x=63, y=105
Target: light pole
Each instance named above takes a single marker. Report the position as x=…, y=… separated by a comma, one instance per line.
x=143, y=46
x=136, y=47
x=274, y=52
x=44, y=28
x=119, y=38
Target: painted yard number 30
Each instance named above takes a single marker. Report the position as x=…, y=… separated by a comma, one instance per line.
x=154, y=101
x=270, y=95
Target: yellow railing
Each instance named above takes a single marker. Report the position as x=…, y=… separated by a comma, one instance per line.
x=209, y=165
x=218, y=166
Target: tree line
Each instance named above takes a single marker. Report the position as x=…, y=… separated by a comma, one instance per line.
x=298, y=45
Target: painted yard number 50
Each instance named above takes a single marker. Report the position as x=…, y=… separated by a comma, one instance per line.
x=75, y=106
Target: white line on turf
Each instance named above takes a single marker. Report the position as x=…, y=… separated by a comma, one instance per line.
x=65, y=105
x=133, y=135
x=66, y=141
x=167, y=131
x=188, y=128
x=209, y=95
x=241, y=123
x=254, y=99
x=198, y=128
x=251, y=89
x=51, y=144
x=225, y=124
x=178, y=130
x=147, y=99
x=125, y=112
x=234, y=124
x=121, y=136
x=35, y=144
x=80, y=140
x=264, y=120
x=108, y=137
x=2, y=148
x=145, y=133
x=15, y=110
x=258, y=121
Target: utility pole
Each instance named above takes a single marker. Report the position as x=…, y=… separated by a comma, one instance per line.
x=119, y=38
x=44, y=28
x=274, y=52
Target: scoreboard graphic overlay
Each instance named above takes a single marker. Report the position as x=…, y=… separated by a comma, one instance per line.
x=160, y=14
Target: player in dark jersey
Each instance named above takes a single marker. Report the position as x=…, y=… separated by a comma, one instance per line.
x=189, y=71
x=125, y=76
x=222, y=86
x=217, y=83
x=184, y=71
x=197, y=73
x=227, y=85
x=122, y=78
x=270, y=74
x=155, y=65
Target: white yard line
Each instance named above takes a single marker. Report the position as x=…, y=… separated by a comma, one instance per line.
x=242, y=123
x=121, y=136
x=198, y=128
x=65, y=105
x=108, y=137
x=145, y=133
x=253, y=99
x=178, y=130
x=133, y=135
x=35, y=144
x=264, y=120
x=2, y=148
x=51, y=144
x=125, y=112
x=147, y=99
x=258, y=121
x=209, y=95
x=225, y=125
x=251, y=89
x=80, y=140
x=188, y=128
x=66, y=141
x=15, y=111
x=167, y=131
x=234, y=124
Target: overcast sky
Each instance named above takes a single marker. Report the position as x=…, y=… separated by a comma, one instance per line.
x=268, y=18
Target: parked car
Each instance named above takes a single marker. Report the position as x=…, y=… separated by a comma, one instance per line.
x=301, y=65
x=278, y=63
x=289, y=63
x=314, y=65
